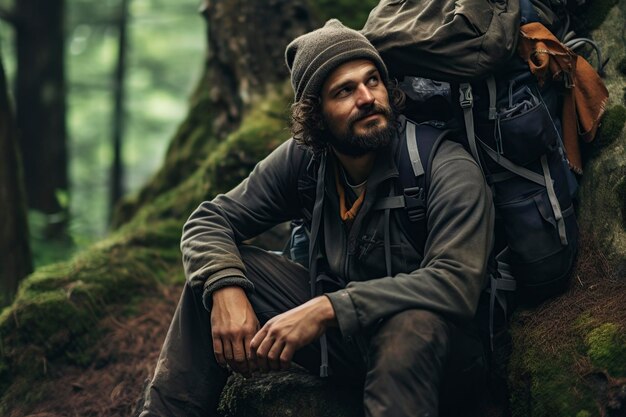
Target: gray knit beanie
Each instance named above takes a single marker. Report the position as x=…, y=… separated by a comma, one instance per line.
x=313, y=56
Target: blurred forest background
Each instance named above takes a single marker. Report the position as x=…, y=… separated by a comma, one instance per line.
x=129, y=68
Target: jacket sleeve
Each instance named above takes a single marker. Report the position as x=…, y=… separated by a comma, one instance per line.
x=210, y=236
x=453, y=271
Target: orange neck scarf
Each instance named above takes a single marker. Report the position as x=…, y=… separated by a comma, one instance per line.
x=347, y=215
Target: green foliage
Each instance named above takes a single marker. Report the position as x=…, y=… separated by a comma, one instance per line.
x=194, y=140
x=165, y=58
x=606, y=347
x=43, y=250
x=352, y=13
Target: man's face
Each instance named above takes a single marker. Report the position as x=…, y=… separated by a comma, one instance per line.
x=355, y=107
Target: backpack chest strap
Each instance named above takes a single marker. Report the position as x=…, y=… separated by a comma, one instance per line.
x=412, y=201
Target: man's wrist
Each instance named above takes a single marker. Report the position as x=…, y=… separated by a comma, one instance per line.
x=227, y=291
x=327, y=312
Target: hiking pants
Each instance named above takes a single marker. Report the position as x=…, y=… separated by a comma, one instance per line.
x=400, y=363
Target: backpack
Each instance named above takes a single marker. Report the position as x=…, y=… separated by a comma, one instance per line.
x=475, y=35
x=511, y=125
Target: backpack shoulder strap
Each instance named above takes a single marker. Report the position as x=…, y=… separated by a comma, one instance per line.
x=414, y=160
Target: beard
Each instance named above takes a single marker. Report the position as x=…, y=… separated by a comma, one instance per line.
x=352, y=144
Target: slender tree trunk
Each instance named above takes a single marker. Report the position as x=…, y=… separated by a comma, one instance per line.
x=117, y=170
x=246, y=43
x=15, y=257
x=40, y=102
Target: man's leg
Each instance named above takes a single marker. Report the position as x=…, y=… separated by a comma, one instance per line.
x=407, y=359
x=188, y=381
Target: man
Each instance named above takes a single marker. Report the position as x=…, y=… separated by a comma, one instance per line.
x=385, y=312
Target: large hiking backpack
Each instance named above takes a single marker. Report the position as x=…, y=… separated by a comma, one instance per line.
x=511, y=123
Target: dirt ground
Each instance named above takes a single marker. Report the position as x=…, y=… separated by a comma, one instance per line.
x=125, y=358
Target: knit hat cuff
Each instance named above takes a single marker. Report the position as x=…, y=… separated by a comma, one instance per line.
x=332, y=57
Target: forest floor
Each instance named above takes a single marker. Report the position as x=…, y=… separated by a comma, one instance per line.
x=125, y=359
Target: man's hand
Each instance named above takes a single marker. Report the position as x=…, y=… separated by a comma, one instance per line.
x=233, y=325
x=276, y=343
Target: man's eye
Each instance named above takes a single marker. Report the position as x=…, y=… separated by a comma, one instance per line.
x=344, y=92
x=373, y=80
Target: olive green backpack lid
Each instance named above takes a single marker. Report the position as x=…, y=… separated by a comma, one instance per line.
x=447, y=40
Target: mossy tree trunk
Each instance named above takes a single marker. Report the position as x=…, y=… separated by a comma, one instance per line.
x=15, y=257
x=245, y=45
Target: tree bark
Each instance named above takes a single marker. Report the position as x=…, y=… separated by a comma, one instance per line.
x=40, y=105
x=246, y=45
x=15, y=256
x=119, y=119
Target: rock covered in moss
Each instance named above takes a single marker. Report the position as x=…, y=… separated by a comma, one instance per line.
x=289, y=394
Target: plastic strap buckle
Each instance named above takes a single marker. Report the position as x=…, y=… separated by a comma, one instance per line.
x=466, y=99
x=415, y=205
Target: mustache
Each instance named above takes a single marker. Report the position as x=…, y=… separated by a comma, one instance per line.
x=374, y=109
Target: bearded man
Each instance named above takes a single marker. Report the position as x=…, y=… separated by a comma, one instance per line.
x=378, y=311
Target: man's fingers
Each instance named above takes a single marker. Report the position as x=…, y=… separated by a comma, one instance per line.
x=250, y=354
x=218, y=350
x=286, y=356
x=239, y=352
x=257, y=339
x=228, y=351
x=263, y=349
x=273, y=356
x=239, y=362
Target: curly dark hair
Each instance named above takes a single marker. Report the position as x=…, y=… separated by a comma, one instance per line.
x=307, y=122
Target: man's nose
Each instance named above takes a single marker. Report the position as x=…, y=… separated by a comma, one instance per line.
x=364, y=96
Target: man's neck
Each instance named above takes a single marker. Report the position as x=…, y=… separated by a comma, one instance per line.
x=358, y=168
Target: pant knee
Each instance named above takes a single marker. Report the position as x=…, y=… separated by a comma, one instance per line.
x=411, y=337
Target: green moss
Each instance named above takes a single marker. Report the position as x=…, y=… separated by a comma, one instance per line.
x=620, y=189
x=612, y=125
x=261, y=132
x=543, y=380
x=54, y=317
x=621, y=66
x=583, y=413
x=606, y=347
x=544, y=384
